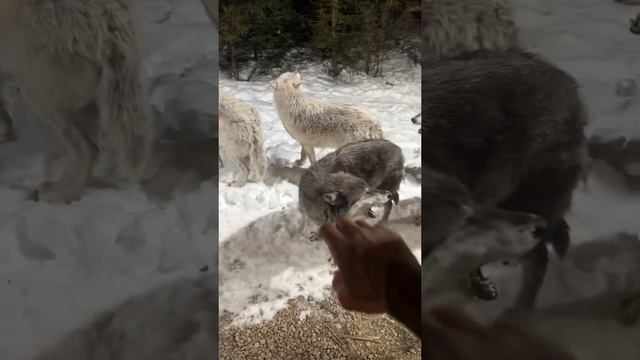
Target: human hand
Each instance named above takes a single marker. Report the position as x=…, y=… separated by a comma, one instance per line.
x=450, y=334
x=364, y=255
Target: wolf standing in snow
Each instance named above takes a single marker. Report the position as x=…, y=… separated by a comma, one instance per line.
x=510, y=127
x=77, y=64
x=314, y=123
x=356, y=172
x=241, y=138
x=452, y=27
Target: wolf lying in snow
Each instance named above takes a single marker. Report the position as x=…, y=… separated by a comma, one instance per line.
x=314, y=123
x=77, y=64
x=178, y=320
x=241, y=138
x=367, y=171
x=452, y=27
x=517, y=142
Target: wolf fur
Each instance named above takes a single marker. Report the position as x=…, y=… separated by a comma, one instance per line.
x=509, y=126
x=314, y=123
x=453, y=27
x=177, y=320
x=482, y=236
x=77, y=64
x=331, y=186
x=241, y=138
x=7, y=132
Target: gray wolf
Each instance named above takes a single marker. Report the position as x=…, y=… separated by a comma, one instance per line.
x=177, y=320
x=509, y=126
x=314, y=123
x=366, y=171
x=483, y=236
x=457, y=227
x=453, y=27
x=241, y=138
x=77, y=64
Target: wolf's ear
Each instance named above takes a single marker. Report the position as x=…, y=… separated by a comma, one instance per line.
x=335, y=199
x=297, y=81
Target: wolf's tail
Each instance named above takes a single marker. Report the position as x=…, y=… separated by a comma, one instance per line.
x=125, y=118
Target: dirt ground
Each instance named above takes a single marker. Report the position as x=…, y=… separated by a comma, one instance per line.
x=308, y=330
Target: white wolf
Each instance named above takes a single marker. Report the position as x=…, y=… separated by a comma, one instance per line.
x=453, y=27
x=314, y=123
x=241, y=138
x=77, y=64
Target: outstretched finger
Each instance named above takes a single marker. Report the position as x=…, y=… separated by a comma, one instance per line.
x=454, y=318
x=363, y=224
x=352, y=232
x=335, y=242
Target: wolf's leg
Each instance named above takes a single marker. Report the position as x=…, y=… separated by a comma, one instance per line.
x=7, y=132
x=534, y=269
x=387, y=211
x=81, y=156
x=311, y=153
x=481, y=286
x=303, y=157
x=244, y=172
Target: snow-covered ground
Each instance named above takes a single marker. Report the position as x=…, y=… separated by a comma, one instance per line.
x=289, y=264
x=60, y=265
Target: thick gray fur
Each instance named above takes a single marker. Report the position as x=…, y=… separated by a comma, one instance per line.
x=332, y=185
x=509, y=127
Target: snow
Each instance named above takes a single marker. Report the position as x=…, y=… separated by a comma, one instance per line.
x=61, y=265
x=277, y=261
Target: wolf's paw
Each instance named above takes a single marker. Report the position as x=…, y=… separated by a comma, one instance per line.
x=236, y=183
x=299, y=162
x=630, y=310
x=313, y=237
x=482, y=288
x=55, y=194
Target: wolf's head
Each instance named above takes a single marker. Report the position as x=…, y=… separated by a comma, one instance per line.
x=497, y=234
x=287, y=81
x=344, y=193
